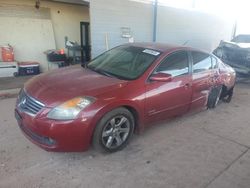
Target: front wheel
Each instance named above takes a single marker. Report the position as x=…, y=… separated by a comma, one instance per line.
x=114, y=130
x=214, y=97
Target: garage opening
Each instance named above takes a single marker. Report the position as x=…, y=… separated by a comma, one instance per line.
x=33, y=27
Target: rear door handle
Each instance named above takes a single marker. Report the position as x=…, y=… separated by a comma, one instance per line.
x=216, y=76
x=187, y=85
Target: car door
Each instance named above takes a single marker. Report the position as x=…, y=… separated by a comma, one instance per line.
x=167, y=99
x=202, y=78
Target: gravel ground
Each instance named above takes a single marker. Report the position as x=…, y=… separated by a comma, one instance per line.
x=209, y=149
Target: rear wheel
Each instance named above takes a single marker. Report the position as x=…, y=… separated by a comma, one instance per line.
x=214, y=97
x=114, y=130
x=228, y=96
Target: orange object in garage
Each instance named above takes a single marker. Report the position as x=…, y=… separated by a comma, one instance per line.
x=61, y=51
x=7, y=53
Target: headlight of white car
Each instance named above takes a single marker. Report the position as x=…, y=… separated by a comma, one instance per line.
x=70, y=109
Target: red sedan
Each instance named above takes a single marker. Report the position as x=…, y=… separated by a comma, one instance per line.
x=121, y=91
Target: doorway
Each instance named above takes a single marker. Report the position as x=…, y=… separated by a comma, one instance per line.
x=85, y=41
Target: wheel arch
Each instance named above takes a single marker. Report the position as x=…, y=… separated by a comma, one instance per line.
x=136, y=113
x=224, y=91
x=136, y=116
x=135, y=110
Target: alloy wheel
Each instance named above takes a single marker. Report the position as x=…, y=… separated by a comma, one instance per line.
x=116, y=132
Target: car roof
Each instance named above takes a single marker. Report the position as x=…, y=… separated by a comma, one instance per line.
x=162, y=47
x=243, y=35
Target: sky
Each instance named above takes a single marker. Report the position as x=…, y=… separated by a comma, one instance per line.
x=237, y=10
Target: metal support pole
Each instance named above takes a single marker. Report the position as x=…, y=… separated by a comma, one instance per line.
x=234, y=30
x=155, y=20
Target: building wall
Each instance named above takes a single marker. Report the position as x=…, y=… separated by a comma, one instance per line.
x=32, y=31
x=196, y=29
x=175, y=26
x=107, y=17
x=67, y=22
x=29, y=37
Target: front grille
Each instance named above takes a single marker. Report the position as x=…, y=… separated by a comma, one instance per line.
x=29, y=104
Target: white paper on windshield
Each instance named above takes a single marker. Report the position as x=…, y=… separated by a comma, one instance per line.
x=151, y=52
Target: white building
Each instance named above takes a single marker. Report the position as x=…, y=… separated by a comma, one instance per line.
x=32, y=31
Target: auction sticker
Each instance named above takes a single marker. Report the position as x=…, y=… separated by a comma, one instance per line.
x=151, y=52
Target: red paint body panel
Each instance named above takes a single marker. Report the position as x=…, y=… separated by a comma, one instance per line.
x=61, y=85
x=201, y=87
x=152, y=101
x=168, y=99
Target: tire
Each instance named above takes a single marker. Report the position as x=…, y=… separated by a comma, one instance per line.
x=228, y=96
x=214, y=97
x=114, y=130
x=15, y=74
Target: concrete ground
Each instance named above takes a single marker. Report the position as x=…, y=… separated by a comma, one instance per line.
x=10, y=86
x=209, y=149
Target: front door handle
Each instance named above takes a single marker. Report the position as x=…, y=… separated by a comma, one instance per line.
x=187, y=85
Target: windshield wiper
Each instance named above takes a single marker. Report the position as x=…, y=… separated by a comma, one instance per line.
x=100, y=71
x=104, y=73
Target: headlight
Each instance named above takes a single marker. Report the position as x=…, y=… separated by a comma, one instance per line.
x=70, y=109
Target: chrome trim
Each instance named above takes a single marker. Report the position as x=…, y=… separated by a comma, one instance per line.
x=28, y=104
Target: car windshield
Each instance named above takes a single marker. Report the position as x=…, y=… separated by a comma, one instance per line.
x=242, y=39
x=124, y=62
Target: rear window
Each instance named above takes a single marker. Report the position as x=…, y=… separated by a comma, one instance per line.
x=201, y=62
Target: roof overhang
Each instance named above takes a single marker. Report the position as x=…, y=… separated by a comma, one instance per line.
x=76, y=2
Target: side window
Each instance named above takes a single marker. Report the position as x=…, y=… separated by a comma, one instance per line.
x=201, y=62
x=175, y=64
x=214, y=62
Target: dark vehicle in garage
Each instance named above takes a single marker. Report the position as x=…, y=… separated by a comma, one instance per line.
x=236, y=53
x=119, y=92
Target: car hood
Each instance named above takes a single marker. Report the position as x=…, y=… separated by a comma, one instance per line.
x=56, y=87
x=235, y=45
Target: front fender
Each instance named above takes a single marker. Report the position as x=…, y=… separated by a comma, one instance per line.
x=137, y=107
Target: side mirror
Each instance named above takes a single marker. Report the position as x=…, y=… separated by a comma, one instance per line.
x=161, y=77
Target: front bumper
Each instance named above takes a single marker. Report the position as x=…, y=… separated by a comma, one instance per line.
x=51, y=135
